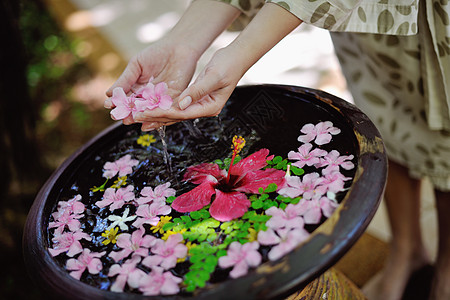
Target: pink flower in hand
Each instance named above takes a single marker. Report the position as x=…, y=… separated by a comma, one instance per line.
x=136, y=243
x=87, y=260
x=285, y=240
x=123, y=166
x=319, y=133
x=305, y=156
x=68, y=242
x=158, y=282
x=116, y=198
x=149, y=214
x=127, y=274
x=124, y=105
x=154, y=96
x=241, y=257
x=159, y=194
x=166, y=252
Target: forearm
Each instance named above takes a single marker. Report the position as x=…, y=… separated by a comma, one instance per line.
x=201, y=23
x=268, y=27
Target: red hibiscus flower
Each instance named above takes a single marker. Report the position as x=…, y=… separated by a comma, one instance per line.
x=230, y=201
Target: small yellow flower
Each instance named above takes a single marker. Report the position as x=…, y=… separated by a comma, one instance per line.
x=110, y=235
x=121, y=181
x=170, y=232
x=159, y=227
x=252, y=235
x=146, y=139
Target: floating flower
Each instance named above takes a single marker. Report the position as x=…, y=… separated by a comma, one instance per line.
x=146, y=139
x=137, y=243
x=120, y=182
x=149, y=214
x=305, y=156
x=73, y=205
x=159, y=194
x=68, y=242
x=120, y=221
x=290, y=217
x=123, y=166
x=319, y=133
x=334, y=181
x=166, y=253
x=65, y=219
x=86, y=261
x=110, y=235
x=116, y=198
x=159, y=282
x=309, y=187
x=282, y=240
x=127, y=273
x=229, y=188
x=328, y=205
x=333, y=160
x=241, y=257
x=159, y=227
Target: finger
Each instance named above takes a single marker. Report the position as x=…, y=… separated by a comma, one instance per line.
x=129, y=77
x=108, y=104
x=154, y=125
x=199, y=89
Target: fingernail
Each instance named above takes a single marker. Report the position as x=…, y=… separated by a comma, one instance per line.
x=185, y=102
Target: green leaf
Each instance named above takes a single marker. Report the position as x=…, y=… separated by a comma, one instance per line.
x=170, y=199
x=272, y=187
x=297, y=171
x=277, y=159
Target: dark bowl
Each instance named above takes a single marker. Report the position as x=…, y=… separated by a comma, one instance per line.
x=273, y=115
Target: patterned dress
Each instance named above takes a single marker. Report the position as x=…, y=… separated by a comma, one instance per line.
x=395, y=55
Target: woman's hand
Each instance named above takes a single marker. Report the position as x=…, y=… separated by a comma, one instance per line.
x=210, y=91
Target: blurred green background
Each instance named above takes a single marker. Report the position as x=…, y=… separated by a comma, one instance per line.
x=51, y=104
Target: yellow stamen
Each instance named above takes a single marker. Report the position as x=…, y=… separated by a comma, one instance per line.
x=237, y=144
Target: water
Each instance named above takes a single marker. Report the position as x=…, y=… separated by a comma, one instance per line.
x=162, y=135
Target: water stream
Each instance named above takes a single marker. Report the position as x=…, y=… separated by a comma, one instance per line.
x=162, y=135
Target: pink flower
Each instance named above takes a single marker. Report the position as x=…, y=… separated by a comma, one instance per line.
x=127, y=274
x=159, y=282
x=68, y=242
x=311, y=211
x=285, y=240
x=241, y=257
x=73, y=205
x=305, y=156
x=154, y=96
x=149, y=214
x=135, y=243
x=116, y=198
x=124, y=106
x=334, y=181
x=289, y=218
x=160, y=194
x=87, y=260
x=166, y=252
x=328, y=206
x=230, y=201
x=66, y=219
x=309, y=187
x=123, y=166
x=320, y=133
x=333, y=160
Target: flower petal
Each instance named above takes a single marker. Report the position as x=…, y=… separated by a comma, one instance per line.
x=229, y=206
x=260, y=179
x=195, y=199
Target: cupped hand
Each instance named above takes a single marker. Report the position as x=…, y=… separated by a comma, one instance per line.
x=205, y=97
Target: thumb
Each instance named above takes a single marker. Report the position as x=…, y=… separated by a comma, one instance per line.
x=203, y=86
x=126, y=80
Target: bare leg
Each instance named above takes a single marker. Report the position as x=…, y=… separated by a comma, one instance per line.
x=441, y=282
x=407, y=252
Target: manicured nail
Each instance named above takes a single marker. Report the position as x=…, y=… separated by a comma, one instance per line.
x=185, y=102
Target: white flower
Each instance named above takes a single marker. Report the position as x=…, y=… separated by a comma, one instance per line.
x=120, y=221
